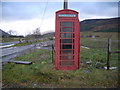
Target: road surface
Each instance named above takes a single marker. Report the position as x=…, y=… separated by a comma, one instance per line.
x=8, y=43
x=9, y=53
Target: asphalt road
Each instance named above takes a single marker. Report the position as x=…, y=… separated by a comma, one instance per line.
x=8, y=43
x=8, y=54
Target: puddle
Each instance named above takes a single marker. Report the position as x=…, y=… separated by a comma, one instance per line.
x=85, y=47
x=6, y=46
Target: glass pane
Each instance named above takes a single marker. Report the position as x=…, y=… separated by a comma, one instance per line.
x=66, y=30
x=67, y=52
x=66, y=40
x=66, y=46
x=67, y=63
x=66, y=35
x=66, y=24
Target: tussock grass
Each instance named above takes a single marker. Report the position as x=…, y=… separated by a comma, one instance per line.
x=42, y=74
x=102, y=35
x=28, y=43
x=8, y=39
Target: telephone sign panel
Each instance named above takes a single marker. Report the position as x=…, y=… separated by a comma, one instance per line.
x=67, y=40
x=67, y=15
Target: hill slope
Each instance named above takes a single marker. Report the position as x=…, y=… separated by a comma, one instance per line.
x=100, y=25
x=4, y=34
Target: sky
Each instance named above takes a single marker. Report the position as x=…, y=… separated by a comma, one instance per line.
x=24, y=17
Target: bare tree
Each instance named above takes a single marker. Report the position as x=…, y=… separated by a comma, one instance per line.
x=36, y=34
x=12, y=32
x=37, y=31
x=15, y=33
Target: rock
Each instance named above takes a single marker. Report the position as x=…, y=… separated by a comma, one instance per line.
x=111, y=68
x=87, y=71
x=99, y=65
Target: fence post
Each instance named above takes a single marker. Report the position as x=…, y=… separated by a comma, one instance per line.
x=108, y=53
x=52, y=54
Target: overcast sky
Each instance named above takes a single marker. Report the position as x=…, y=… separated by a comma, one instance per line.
x=24, y=17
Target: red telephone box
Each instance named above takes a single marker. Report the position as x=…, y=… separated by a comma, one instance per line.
x=67, y=40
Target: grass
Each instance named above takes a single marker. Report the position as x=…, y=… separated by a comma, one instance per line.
x=3, y=40
x=101, y=41
x=10, y=39
x=42, y=74
x=27, y=43
x=102, y=35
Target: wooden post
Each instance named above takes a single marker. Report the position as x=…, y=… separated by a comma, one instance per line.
x=52, y=54
x=108, y=53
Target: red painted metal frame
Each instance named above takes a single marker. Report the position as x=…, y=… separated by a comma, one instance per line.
x=76, y=29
